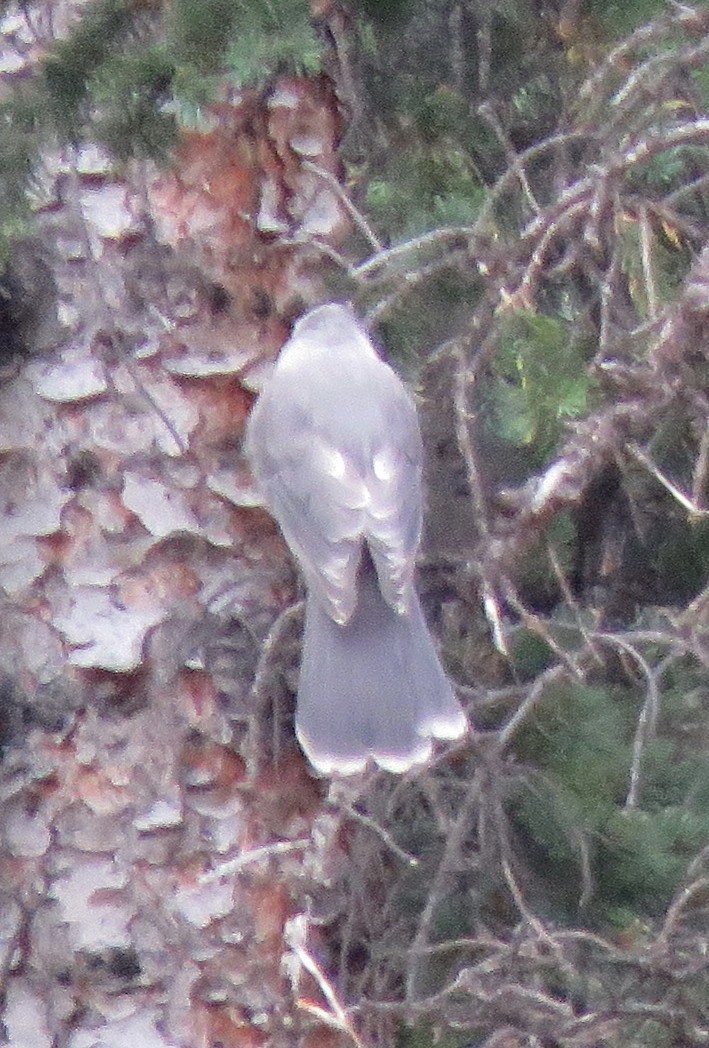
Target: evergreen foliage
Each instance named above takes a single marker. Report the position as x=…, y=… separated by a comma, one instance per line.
x=67, y=73
x=129, y=80
x=539, y=380
x=272, y=35
x=23, y=123
x=602, y=813
x=578, y=791
x=472, y=125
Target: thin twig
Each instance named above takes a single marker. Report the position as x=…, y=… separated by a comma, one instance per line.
x=337, y=1016
x=550, y=676
x=384, y=257
x=647, y=719
x=488, y=114
x=373, y=825
x=240, y=862
x=683, y=499
x=570, y=599
x=700, y=478
x=617, y=57
x=355, y=214
x=647, y=262
x=271, y=645
x=441, y=882
x=537, y=625
x=676, y=909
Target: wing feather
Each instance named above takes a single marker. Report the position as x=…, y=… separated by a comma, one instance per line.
x=335, y=446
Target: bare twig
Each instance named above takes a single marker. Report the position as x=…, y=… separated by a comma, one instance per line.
x=641, y=37
x=676, y=910
x=647, y=719
x=355, y=214
x=271, y=646
x=647, y=262
x=441, y=883
x=249, y=858
x=488, y=114
x=376, y=828
x=537, y=625
x=684, y=501
x=395, y=254
x=550, y=676
x=700, y=479
x=295, y=935
x=266, y=670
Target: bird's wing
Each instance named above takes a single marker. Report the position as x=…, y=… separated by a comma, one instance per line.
x=334, y=482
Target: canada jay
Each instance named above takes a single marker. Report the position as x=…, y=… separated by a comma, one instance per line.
x=335, y=447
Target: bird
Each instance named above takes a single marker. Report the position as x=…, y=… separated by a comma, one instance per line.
x=334, y=445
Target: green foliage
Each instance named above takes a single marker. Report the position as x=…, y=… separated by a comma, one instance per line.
x=426, y=185
x=68, y=70
x=426, y=317
x=667, y=171
x=620, y=17
x=682, y=562
x=700, y=78
x=415, y=99
x=199, y=32
x=131, y=81
x=387, y=12
x=22, y=123
x=643, y=856
x=131, y=93
x=530, y=653
x=271, y=35
x=574, y=808
x=668, y=252
x=430, y=179
x=589, y=756
x=539, y=379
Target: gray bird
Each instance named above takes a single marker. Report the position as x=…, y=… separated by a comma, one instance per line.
x=335, y=447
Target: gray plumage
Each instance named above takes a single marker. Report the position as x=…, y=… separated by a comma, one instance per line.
x=335, y=446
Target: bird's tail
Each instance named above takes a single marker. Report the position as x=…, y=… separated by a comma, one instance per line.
x=372, y=689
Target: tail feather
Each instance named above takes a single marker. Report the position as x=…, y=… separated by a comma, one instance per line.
x=372, y=689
